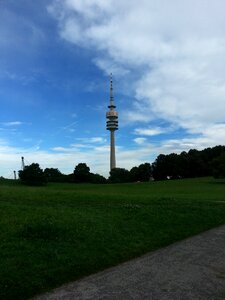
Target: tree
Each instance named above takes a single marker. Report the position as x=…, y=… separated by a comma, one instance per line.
x=134, y=174
x=81, y=173
x=160, y=168
x=32, y=175
x=145, y=172
x=53, y=175
x=119, y=175
x=218, y=166
x=141, y=173
x=196, y=166
x=186, y=165
x=97, y=179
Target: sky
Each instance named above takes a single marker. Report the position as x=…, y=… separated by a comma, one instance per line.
x=168, y=64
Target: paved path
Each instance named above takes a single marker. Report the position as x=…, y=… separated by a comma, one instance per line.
x=193, y=269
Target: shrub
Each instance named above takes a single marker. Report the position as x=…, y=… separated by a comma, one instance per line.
x=32, y=175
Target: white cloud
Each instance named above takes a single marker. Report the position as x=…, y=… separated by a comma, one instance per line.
x=149, y=131
x=140, y=140
x=14, y=123
x=60, y=149
x=92, y=140
x=177, y=46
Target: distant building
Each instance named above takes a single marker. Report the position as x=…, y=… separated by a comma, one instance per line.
x=112, y=126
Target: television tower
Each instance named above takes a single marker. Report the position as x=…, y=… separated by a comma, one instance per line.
x=112, y=125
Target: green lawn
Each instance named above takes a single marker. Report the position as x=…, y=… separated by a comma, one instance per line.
x=54, y=234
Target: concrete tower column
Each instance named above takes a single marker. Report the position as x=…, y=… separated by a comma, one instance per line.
x=112, y=150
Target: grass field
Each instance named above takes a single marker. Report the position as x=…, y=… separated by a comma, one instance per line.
x=54, y=234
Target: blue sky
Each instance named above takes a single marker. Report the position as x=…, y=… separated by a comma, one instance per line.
x=167, y=60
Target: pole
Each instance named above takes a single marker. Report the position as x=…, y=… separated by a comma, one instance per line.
x=112, y=150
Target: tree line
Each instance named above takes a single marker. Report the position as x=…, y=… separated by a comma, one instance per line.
x=194, y=163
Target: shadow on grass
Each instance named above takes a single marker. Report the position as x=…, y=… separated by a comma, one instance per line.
x=42, y=230
x=218, y=181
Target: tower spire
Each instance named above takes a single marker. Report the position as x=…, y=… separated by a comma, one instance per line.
x=112, y=125
x=111, y=91
x=111, y=99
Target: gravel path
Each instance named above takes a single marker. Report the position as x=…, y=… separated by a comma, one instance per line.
x=193, y=269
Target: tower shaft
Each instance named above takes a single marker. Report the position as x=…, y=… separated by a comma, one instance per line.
x=112, y=150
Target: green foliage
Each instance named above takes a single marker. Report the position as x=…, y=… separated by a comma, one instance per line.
x=119, y=175
x=81, y=173
x=189, y=164
x=60, y=232
x=218, y=166
x=97, y=179
x=32, y=175
x=53, y=175
x=141, y=173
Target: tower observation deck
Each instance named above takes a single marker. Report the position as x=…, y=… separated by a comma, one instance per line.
x=112, y=125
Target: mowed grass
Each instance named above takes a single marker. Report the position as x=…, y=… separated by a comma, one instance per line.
x=58, y=233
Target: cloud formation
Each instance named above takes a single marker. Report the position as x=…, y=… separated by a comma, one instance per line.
x=12, y=124
x=149, y=131
x=176, y=47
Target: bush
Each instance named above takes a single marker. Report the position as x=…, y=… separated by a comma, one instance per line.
x=97, y=179
x=32, y=175
x=119, y=175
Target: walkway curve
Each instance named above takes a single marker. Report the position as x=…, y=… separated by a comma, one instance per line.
x=193, y=269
